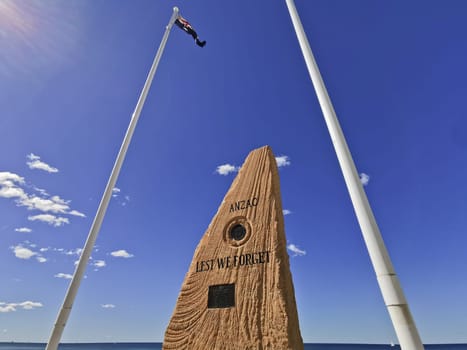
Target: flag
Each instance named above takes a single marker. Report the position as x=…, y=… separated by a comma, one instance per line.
x=182, y=23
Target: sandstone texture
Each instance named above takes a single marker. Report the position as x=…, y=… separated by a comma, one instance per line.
x=238, y=292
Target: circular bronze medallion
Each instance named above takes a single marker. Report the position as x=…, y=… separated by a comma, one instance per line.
x=237, y=232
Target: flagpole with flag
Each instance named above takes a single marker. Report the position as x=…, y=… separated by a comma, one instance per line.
x=393, y=296
x=67, y=305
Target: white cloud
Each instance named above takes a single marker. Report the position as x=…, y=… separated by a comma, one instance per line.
x=49, y=205
x=64, y=275
x=12, y=192
x=55, y=204
x=4, y=307
x=29, y=305
x=226, y=169
x=36, y=163
x=286, y=212
x=9, y=188
x=282, y=161
x=23, y=253
x=76, y=251
x=99, y=263
x=23, y=229
x=53, y=220
x=295, y=250
x=125, y=200
x=41, y=191
x=32, y=156
x=115, y=191
x=108, y=306
x=76, y=213
x=41, y=259
x=364, y=179
x=122, y=253
x=25, y=305
x=8, y=185
x=7, y=176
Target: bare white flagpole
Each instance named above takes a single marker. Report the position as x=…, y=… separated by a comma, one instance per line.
x=393, y=296
x=65, y=310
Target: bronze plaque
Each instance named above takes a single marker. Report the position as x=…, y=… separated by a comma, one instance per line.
x=221, y=296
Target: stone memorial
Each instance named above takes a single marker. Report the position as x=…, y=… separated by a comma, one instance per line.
x=238, y=292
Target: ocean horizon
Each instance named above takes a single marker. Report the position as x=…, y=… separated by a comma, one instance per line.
x=158, y=346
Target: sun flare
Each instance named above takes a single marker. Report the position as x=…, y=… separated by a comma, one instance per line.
x=35, y=34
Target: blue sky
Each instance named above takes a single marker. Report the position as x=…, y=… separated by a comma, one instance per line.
x=71, y=73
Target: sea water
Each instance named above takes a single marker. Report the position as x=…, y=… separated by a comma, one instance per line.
x=158, y=346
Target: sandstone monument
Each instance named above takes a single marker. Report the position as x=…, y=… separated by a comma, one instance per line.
x=238, y=293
